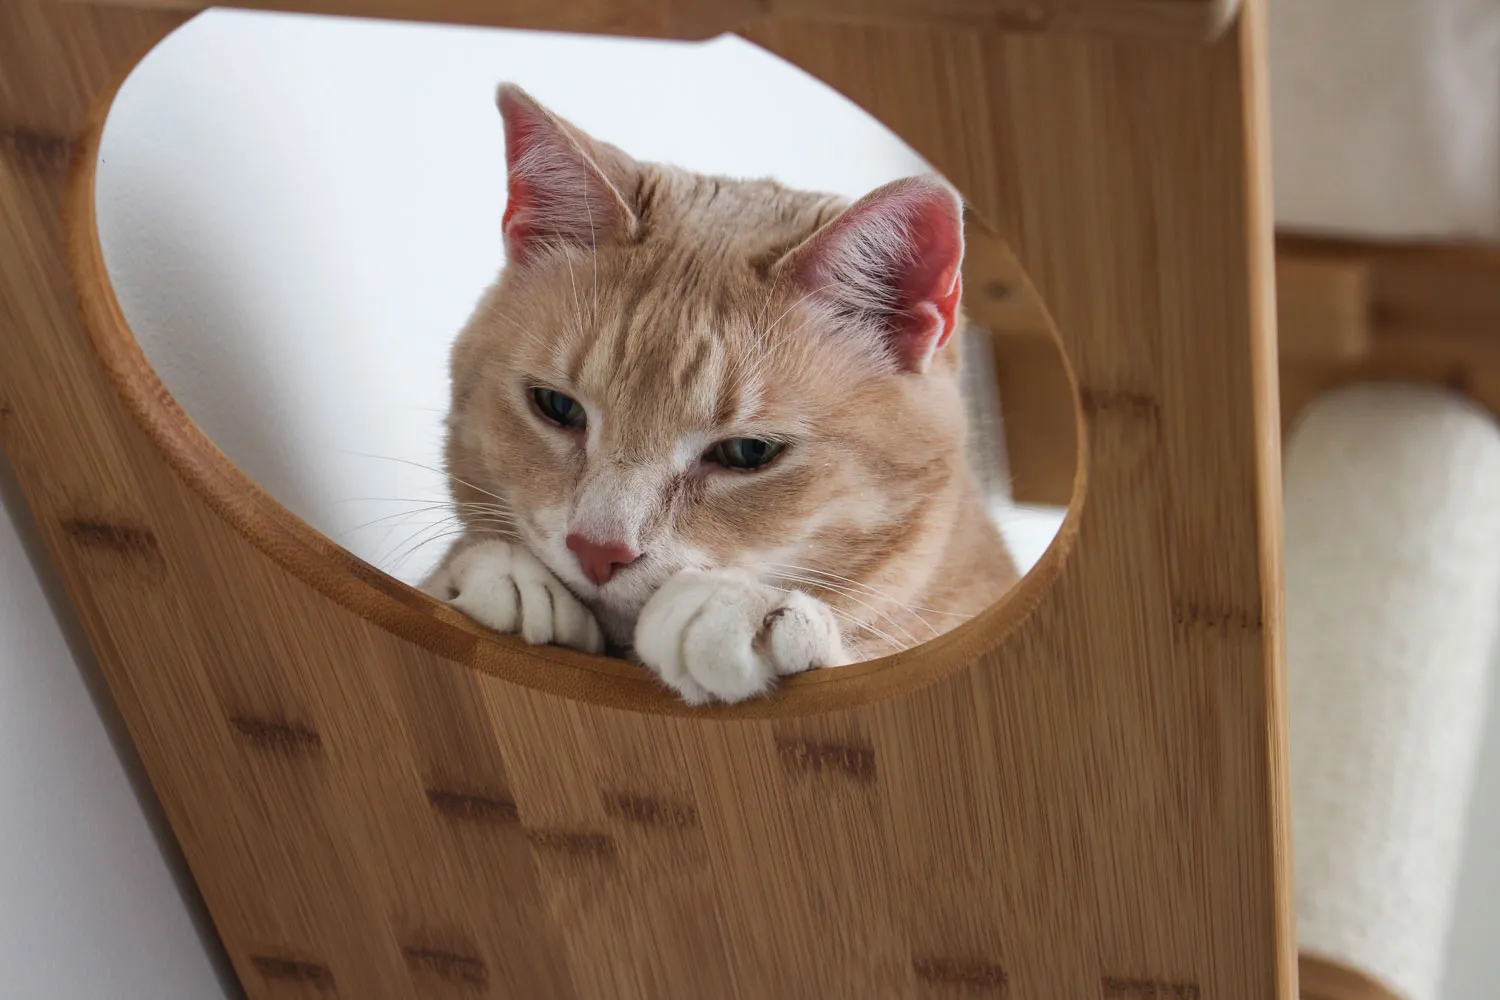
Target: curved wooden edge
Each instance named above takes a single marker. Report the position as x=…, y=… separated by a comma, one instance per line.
x=1195, y=20
x=406, y=612
x=1328, y=979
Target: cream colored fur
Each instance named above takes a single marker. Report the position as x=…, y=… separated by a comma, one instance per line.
x=681, y=310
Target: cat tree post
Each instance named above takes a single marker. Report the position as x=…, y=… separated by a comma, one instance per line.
x=1080, y=793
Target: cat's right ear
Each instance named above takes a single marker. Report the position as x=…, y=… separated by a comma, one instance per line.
x=563, y=187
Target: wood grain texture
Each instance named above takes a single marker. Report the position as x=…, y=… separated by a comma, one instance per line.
x=1181, y=19
x=1322, y=310
x=1080, y=793
x=1433, y=315
x=1191, y=20
x=1326, y=979
x=1031, y=373
x=1348, y=311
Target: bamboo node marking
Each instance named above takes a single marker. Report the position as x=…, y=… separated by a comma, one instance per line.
x=1149, y=989
x=286, y=737
x=449, y=966
x=128, y=540
x=466, y=805
x=855, y=762
x=314, y=974
x=577, y=844
x=650, y=811
x=975, y=974
x=35, y=150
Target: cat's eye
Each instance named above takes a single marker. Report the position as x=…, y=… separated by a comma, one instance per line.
x=745, y=453
x=561, y=409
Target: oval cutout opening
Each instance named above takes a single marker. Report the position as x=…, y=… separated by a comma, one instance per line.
x=295, y=233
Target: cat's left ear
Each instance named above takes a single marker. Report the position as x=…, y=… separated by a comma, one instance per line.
x=892, y=262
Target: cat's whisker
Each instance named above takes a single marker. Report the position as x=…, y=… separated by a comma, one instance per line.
x=417, y=528
x=400, y=518
x=411, y=550
x=744, y=366
x=482, y=508
x=789, y=309
x=757, y=346
x=416, y=540
x=866, y=587
x=853, y=596
x=573, y=283
x=438, y=531
x=451, y=521
x=792, y=333
x=429, y=468
x=593, y=244
x=441, y=523
x=846, y=617
x=515, y=325
x=765, y=304
x=765, y=335
x=885, y=637
x=392, y=500
x=429, y=502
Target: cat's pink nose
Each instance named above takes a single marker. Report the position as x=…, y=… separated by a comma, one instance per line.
x=600, y=559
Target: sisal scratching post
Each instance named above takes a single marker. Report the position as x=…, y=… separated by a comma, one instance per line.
x=1393, y=597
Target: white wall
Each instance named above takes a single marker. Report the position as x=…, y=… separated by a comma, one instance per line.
x=1385, y=117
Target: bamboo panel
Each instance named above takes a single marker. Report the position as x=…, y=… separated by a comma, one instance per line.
x=1179, y=19
x=1079, y=793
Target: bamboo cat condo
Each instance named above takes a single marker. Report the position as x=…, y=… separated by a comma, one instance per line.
x=1082, y=793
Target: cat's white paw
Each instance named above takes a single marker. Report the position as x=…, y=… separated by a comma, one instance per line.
x=721, y=635
x=502, y=585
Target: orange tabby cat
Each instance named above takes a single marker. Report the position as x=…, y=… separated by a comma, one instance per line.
x=714, y=422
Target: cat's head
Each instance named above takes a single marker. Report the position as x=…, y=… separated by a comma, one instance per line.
x=679, y=371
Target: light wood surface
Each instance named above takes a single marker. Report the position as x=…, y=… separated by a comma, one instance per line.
x=1322, y=310
x=1189, y=20
x=1433, y=316
x=1036, y=396
x=1348, y=311
x=1080, y=793
x=1325, y=979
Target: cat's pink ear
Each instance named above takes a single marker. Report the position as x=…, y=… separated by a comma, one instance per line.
x=563, y=187
x=892, y=263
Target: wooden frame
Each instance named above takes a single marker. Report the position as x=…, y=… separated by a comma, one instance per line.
x=1347, y=311
x=1083, y=792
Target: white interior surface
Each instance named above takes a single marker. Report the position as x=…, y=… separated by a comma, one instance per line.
x=1385, y=117
x=299, y=213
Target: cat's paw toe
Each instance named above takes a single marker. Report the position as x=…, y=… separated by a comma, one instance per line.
x=722, y=636
x=802, y=633
x=503, y=586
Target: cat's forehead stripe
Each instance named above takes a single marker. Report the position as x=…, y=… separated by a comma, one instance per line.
x=637, y=294
x=688, y=373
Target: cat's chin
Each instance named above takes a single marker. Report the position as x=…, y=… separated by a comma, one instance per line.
x=618, y=624
x=617, y=608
